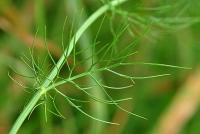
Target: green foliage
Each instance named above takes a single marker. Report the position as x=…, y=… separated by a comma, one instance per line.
x=100, y=58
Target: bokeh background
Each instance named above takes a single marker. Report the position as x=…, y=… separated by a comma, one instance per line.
x=170, y=103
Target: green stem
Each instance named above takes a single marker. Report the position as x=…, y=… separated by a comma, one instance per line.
x=76, y=37
x=58, y=66
x=40, y=15
x=98, y=109
x=26, y=111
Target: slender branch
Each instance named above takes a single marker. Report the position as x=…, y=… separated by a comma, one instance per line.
x=59, y=64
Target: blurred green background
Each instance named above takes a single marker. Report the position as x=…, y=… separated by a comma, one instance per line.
x=170, y=103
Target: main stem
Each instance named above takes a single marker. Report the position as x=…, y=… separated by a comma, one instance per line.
x=98, y=109
x=59, y=64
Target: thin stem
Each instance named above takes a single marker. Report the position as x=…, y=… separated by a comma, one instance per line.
x=98, y=110
x=76, y=37
x=59, y=64
x=27, y=110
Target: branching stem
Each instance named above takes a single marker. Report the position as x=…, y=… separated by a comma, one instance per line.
x=59, y=64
